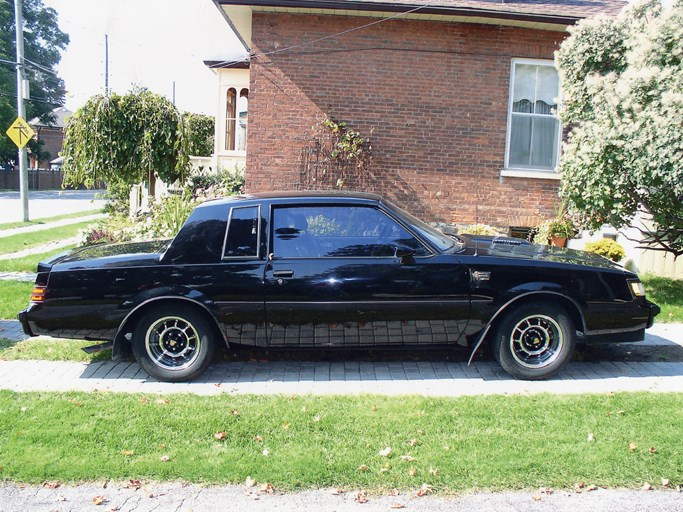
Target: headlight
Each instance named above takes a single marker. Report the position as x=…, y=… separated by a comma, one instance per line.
x=637, y=288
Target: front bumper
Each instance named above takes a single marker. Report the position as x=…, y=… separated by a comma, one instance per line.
x=654, y=311
x=23, y=320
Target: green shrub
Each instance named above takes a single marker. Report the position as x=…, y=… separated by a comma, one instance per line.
x=479, y=229
x=608, y=248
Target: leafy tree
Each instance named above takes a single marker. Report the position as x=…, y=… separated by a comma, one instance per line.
x=42, y=42
x=622, y=82
x=199, y=132
x=123, y=140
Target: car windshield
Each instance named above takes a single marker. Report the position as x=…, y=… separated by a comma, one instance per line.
x=442, y=241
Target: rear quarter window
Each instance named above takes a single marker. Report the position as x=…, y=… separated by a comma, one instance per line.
x=242, y=236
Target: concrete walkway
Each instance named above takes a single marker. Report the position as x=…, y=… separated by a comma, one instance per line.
x=428, y=378
x=49, y=225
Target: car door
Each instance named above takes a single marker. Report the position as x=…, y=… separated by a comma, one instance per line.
x=345, y=275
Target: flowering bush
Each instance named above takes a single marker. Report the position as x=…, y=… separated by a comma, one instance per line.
x=610, y=249
x=622, y=82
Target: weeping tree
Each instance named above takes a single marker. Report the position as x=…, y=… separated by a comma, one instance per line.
x=622, y=81
x=124, y=140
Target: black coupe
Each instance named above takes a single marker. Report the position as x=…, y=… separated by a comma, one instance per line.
x=304, y=270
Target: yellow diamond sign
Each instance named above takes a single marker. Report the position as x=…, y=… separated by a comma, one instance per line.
x=20, y=132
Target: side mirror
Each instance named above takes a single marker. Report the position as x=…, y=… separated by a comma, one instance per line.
x=405, y=255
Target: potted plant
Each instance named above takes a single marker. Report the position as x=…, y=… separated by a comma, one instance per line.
x=555, y=231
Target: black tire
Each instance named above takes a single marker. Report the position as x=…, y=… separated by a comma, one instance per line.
x=173, y=343
x=534, y=341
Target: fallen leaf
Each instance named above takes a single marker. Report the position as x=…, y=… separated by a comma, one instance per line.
x=363, y=467
x=373, y=408
x=162, y=401
x=386, y=452
x=591, y=438
x=632, y=446
x=24, y=409
x=99, y=500
x=164, y=458
x=609, y=394
x=408, y=458
x=546, y=490
x=646, y=487
x=433, y=471
x=395, y=492
x=265, y=452
x=412, y=471
x=653, y=449
x=51, y=485
x=424, y=490
x=337, y=492
x=220, y=435
x=217, y=384
x=61, y=498
x=285, y=425
x=361, y=497
x=536, y=497
x=592, y=488
x=384, y=470
x=666, y=482
x=412, y=442
x=250, y=482
x=316, y=418
x=235, y=412
x=258, y=439
x=266, y=488
x=134, y=483
x=143, y=400
x=75, y=402
x=579, y=485
x=397, y=505
x=127, y=453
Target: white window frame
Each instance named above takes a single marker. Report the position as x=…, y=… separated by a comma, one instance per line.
x=526, y=172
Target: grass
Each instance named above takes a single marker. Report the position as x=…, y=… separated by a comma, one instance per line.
x=668, y=294
x=15, y=295
x=456, y=444
x=30, y=263
x=47, y=349
x=37, y=222
x=23, y=241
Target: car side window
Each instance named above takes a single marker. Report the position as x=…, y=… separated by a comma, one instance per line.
x=338, y=232
x=242, y=237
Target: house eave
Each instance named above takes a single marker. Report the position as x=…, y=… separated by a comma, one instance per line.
x=238, y=13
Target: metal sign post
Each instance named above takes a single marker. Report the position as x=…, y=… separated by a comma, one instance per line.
x=21, y=111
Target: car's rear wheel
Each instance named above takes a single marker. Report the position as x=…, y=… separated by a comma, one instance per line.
x=534, y=340
x=172, y=343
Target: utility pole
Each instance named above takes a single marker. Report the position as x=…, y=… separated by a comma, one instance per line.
x=173, y=92
x=106, y=64
x=21, y=110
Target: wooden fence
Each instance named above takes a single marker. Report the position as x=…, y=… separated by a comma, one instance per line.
x=41, y=179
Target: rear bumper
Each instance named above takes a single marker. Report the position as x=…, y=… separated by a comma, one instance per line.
x=23, y=320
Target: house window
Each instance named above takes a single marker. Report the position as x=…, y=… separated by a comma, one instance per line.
x=236, y=114
x=534, y=130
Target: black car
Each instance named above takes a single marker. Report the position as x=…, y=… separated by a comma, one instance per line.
x=304, y=270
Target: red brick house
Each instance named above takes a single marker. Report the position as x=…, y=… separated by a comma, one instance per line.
x=458, y=98
x=52, y=136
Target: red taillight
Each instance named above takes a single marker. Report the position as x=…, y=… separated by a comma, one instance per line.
x=38, y=294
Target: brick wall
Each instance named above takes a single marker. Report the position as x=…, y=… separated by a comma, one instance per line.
x=434, y=95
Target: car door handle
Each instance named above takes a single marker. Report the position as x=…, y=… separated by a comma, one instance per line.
x=283, y=273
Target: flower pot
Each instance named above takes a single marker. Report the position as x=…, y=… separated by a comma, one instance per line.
x=558, y=241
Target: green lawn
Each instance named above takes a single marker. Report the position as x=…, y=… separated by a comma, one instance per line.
x=15, y=295
x=668, y=294
x=21, y=224
x=454, y=445
x=23, y=241
x=30, y=263
x=48, y=349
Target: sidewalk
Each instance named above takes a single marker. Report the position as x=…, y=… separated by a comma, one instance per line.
x=427, y=378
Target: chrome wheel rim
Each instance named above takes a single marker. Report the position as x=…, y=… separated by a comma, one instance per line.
x=172, y=343
x=536, y=341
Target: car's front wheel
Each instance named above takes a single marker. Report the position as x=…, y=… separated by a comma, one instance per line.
x=534, y=340
x=173, y=344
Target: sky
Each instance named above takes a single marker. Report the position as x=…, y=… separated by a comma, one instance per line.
x=152, y=43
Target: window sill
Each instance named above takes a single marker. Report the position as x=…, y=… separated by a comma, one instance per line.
x=530, y=173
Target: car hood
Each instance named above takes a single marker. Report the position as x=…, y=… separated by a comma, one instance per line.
x=108, y=255
x=506, y=247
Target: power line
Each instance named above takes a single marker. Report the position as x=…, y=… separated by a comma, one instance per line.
x=330, y=36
